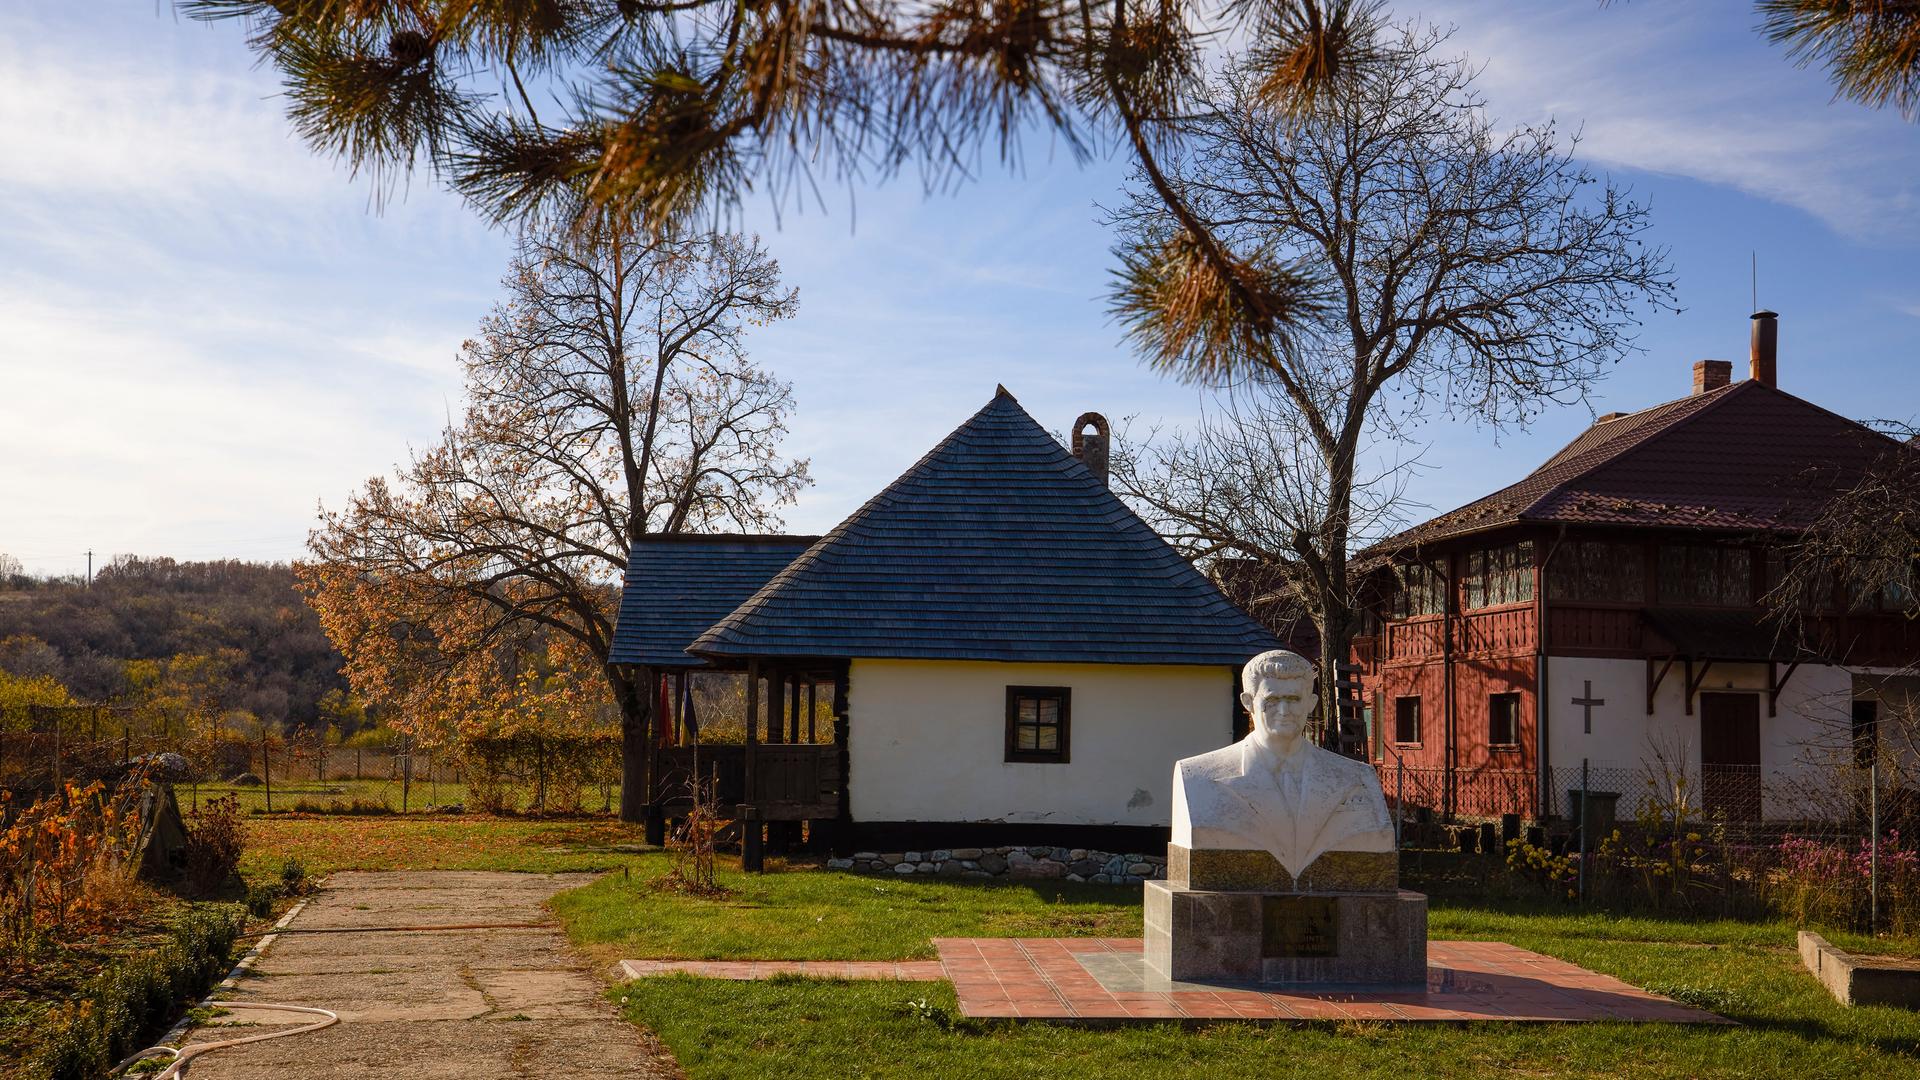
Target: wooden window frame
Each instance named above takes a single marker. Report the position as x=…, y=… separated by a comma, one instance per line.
x=1419, y=720
x=1059, y=756
x=1511, y=745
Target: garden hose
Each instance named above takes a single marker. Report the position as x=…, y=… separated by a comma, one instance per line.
x=182, y=1056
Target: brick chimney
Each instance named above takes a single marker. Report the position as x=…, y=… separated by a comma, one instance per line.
x=1091, y=449
x=1711, y=375
x=1766, y=348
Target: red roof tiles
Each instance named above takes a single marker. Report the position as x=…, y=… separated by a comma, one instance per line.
x=1744, y=457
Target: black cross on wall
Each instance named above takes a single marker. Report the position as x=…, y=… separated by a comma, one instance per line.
x=1587, y=701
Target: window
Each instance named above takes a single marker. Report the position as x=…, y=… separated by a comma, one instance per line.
x=1037, y=718
x=1706, y=574
x=1502, y=575
x=1503, y=721
x=1406, y=720
x=1606, y=571
x=1421, y=591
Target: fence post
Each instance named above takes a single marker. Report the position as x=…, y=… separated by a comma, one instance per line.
x=1399, y=799
x=406, y=773
x=266, y=766
x=1586, y=816
x=1873, y=845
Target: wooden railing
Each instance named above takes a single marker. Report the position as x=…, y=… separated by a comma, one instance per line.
x=791, y=781
x=1497, y=631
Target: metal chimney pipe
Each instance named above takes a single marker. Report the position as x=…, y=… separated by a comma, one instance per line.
x=1766, y=348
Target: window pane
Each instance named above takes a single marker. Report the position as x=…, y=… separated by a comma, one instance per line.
x=1627, y=569
x=1049, y=710
x=1736, y=577
x=1026, y=737
x=1047, y=738
x=1028, y=710
x=1673, y=575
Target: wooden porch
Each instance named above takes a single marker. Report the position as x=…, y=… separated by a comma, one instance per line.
x=790, y=768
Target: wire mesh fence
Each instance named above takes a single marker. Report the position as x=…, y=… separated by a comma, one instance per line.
x=1831, y=845
x=303, y=772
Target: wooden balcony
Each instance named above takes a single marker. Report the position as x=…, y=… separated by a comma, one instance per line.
x=1503, y=631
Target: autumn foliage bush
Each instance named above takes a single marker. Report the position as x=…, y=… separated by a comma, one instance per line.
x=65, y=863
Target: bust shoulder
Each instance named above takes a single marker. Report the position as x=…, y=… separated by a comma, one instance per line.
x=1212, y=765
x=1348, y=769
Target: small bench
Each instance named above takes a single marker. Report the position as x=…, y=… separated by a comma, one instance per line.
x=1861, y=980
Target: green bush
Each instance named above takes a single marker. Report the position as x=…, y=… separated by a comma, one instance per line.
x=120, y=1009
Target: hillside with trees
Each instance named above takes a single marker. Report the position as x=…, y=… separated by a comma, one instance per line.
x=215, y=637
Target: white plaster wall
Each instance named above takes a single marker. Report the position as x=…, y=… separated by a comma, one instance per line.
x=927, y=740
x=1794, y=744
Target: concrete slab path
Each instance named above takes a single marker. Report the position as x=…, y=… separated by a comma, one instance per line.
x=419, y=999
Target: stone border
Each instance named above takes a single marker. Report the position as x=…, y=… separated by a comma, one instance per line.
x=1858, y=980
x=1032, y=862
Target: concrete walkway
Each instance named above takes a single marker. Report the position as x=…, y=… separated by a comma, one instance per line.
x=426, y=1003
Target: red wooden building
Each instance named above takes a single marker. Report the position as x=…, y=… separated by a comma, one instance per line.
x=1606, y=609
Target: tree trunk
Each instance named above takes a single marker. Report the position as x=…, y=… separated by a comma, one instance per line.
x=632, y=690
x=1335, y=630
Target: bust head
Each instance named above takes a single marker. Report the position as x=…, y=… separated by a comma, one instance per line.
x=1276, y=689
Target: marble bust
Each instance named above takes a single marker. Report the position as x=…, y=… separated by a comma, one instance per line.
x=1275, y=791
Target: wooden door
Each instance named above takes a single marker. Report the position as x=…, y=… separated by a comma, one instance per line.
x=1730, y=755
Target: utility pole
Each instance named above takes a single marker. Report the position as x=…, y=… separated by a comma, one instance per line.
x=89, y=568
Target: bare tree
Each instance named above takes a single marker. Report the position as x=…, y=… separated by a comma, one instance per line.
x=1424, y=258
x=1241, y=493
x=609, y=397
x=1860, y=550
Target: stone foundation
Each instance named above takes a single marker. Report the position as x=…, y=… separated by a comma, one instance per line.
x=1032, y=861
x=1285, y=939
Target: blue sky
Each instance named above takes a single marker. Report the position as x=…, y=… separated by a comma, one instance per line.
x=205, y=330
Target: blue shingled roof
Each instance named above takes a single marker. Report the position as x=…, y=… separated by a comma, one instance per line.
x=997, y=545
x=677, y=586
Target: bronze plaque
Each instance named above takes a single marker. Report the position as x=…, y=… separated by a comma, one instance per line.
x=1293, y=926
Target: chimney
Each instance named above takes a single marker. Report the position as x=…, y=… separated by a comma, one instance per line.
x=1711, y=375
x=1766, y=348
x=1091, y=449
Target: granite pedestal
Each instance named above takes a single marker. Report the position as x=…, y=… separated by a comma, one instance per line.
x=1240, y=917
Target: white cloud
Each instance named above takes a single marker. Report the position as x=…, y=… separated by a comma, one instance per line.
x=1691, y=90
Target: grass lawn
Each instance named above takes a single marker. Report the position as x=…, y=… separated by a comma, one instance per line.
x=329, y=842
x=814, y=1028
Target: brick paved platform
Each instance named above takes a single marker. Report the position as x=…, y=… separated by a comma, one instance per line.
x=1104, y=979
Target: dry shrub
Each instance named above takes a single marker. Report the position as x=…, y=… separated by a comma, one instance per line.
x=693, y=844
x=216, y=838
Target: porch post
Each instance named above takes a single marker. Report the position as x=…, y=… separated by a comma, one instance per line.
x=748, y=814
x=656, y=815
x=843, y=826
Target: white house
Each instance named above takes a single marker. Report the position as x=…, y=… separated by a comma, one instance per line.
x=1014, y=655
